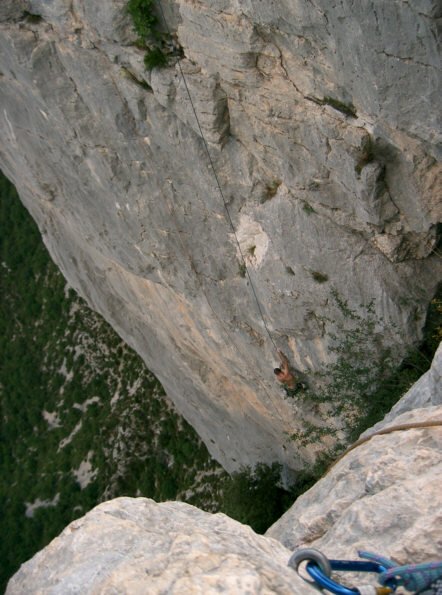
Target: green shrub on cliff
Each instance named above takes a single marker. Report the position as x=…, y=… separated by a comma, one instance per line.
x=155, y=58
x=143, y=17
x=146, y=24
x=365, y=380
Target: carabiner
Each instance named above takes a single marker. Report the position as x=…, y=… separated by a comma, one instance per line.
x=311, y=555
x=319, y=567
x=342, y=565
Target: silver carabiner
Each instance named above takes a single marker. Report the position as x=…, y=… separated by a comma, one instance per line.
x=310, y=555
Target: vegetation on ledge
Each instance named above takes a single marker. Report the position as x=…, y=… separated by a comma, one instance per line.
x=364, y=381
x=158, y=45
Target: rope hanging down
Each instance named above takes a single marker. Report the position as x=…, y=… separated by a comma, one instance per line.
x=219, y=186
x=223, y=325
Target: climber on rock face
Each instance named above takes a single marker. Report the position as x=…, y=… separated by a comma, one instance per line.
x=286, y=377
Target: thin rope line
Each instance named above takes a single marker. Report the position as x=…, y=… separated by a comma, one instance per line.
x=219, y=187
x=223, y=325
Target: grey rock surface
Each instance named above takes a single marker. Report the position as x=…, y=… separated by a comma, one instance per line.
x=118, y=179
x=135, y=546
x=383, y=497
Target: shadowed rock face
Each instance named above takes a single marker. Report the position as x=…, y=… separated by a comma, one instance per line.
x=322, y=126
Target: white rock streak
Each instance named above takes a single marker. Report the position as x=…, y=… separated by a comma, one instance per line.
x=85, y=474
x=31, y=507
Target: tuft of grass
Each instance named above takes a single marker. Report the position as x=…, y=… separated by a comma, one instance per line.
x=348, y=109
x=319, y=277
x=143, y=17
x=308, y=208
x=140, y=44
x=271, y=189
x=242, y=269
x=32, y=18
x=151, y=39
x=155, y=58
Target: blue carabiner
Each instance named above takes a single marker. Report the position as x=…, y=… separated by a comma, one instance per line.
x=342, y=565
x=326, y=582
x=320, y=570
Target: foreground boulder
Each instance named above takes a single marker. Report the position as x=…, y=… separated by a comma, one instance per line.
x=133, y=545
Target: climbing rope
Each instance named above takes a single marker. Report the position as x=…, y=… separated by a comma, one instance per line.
x=422, y=579
x=398, y=428
x=212, y=165
x=280, y=414
x=414, y=577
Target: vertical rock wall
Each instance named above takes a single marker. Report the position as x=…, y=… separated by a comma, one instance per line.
x=322, y=124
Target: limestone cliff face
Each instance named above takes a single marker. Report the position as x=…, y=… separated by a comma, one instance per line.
x=118, y=179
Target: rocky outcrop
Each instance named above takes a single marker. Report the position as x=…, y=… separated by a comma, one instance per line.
x=133, y=545
x=322, y=127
